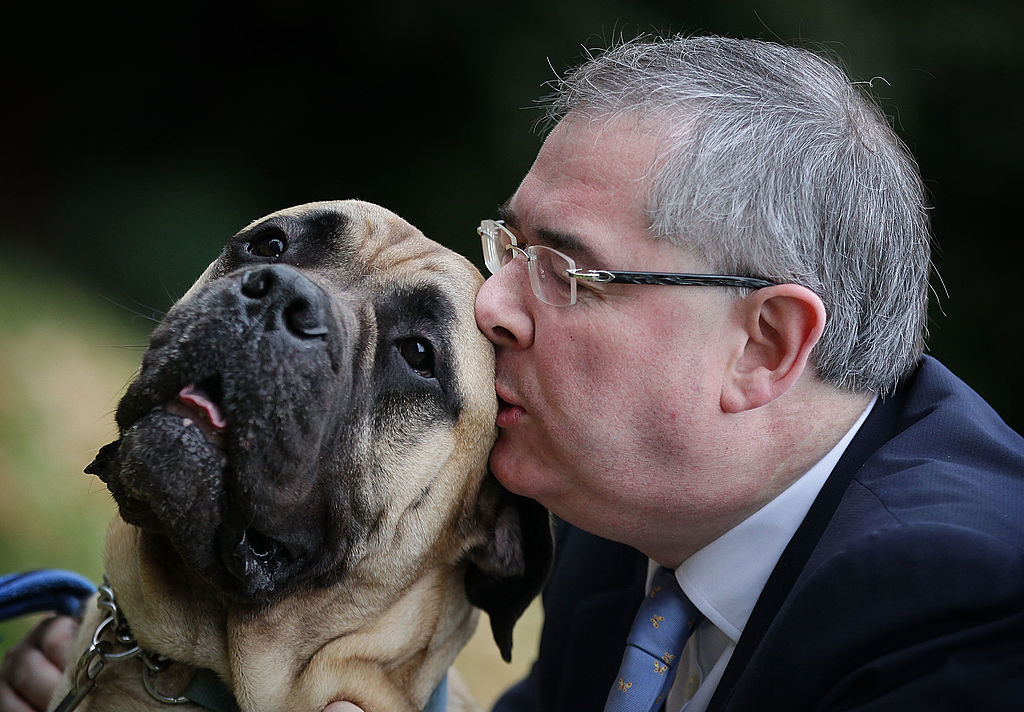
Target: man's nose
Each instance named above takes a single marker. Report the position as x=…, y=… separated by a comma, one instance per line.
x=502, y=310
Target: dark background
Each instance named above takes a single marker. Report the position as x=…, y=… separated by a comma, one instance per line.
x=137, y=140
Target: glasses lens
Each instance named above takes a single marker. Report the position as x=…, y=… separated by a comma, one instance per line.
x=495, y=241
x=549, y=279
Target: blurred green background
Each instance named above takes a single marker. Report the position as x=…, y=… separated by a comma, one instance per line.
x=136, y=139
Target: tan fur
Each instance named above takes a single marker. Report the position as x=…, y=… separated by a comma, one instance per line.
x=386, y=633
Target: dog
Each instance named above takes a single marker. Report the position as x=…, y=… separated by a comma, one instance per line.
x=301, y=478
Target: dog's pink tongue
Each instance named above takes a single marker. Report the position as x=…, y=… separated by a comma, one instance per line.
x=194, y=397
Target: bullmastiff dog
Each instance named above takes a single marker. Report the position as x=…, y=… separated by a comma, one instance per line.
x=305, y=512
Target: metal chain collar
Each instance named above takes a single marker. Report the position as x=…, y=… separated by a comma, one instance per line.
x=113, y=642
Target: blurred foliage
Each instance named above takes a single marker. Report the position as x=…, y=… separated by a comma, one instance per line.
x=65, y=355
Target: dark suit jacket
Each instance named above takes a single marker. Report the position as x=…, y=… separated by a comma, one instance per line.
x=903, y=589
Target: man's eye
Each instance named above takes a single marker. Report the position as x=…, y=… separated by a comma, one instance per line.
x=419, y=354
x=269, y=243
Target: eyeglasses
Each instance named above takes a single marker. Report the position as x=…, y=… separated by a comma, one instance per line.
x=553, y=276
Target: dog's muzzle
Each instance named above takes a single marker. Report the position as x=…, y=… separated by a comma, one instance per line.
x=223, y=433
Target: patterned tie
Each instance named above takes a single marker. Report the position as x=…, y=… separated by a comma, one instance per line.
x=664, y=622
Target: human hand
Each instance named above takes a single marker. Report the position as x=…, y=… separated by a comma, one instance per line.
x=31, y=669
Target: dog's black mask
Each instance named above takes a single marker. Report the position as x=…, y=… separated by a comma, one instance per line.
x=243, y=439
x=220, y=449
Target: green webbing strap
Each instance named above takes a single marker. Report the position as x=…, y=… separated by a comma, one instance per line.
x=209, y=692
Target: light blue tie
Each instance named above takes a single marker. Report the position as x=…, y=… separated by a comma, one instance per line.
x=664, y=622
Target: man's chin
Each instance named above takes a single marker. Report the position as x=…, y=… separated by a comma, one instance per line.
x=511, y=464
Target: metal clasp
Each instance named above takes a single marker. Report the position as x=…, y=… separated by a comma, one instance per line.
x=101, y=652
x=590, y=275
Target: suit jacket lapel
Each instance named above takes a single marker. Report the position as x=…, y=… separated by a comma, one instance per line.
x=876, y=430
x=593, y=595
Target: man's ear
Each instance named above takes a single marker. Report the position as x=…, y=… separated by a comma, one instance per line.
x=779, y=327
x=509, y=568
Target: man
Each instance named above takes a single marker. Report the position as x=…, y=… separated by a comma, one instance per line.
x=846, y=517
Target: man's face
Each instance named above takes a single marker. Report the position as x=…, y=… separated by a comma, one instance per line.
x=607, y=407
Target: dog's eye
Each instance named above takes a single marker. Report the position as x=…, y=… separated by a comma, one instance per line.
x=268, y=243
x=419, y=355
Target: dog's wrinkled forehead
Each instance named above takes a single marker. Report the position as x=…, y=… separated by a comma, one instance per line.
x=350, y=240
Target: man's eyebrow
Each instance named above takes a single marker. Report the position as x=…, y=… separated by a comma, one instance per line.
x=506, y=215
x=565, y=242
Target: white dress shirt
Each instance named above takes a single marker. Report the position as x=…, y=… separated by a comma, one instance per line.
x=725, y=579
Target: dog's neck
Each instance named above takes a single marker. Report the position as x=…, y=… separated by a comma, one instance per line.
x=316, y=647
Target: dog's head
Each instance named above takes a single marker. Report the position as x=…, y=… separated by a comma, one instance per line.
x=321, y=402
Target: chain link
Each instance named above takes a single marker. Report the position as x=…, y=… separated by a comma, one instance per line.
x=103, y=650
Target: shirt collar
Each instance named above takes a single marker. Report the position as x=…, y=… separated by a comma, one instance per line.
x=725, y=578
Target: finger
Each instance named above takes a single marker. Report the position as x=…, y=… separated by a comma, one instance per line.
x=10, y=701
x=54, y=637
x=342, y=707
x=31, y=675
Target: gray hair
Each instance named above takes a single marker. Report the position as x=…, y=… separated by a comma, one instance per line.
x=775, y=165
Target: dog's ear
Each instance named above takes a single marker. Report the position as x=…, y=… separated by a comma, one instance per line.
x=104, y=460
x=510, y=568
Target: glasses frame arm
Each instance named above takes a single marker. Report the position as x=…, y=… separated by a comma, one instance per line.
x=603, y=276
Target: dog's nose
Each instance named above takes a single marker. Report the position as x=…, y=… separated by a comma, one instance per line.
x=288, y=299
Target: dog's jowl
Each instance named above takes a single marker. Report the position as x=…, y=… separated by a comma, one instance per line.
x=305, y=511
